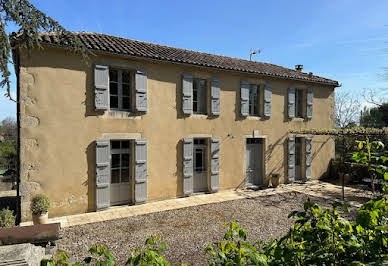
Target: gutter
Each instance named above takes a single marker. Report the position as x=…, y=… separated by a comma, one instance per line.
x=16, y=59
x=195, y=65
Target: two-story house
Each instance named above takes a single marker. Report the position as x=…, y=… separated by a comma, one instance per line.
x=140, y=122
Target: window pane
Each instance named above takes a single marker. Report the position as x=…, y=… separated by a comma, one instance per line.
x=195, y=107
x=113, y=88
x=115, y=160
x=126, y=90
x=125, y=160
x=115, y=144
x=125, y=175
x=125, y=144
x=126, y=77
x=113, y=75
x=126, y=103
x=198, y=160
x=115, y=177
x=114, y=102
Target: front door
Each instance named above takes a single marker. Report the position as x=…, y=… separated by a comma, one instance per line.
x=120, y=188
x=254, y=162
x=200, y=166
x=298, y=158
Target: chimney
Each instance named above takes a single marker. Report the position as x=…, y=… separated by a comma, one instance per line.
x=298, y=67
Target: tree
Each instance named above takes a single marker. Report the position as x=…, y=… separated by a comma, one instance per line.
x=347, y=109
x=30, y=21
x=8, y=129
x=375, y=117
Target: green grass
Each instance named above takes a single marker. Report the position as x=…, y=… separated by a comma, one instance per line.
x=2, y=171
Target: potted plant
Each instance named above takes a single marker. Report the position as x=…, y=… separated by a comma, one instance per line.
x=40, y=204
x=275, y=179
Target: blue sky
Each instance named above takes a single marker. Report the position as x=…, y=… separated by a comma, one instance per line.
x=344, y=40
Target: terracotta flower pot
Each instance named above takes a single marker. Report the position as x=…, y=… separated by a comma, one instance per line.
x=275, y=181
x=40, y=218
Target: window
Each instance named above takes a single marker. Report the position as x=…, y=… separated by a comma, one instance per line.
x=253, y=100
x=199, y=96
x=120, y=89
x=299, y=103
x=199, y=155
x=120, y=161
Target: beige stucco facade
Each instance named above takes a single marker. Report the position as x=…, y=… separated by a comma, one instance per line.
x=59, y=127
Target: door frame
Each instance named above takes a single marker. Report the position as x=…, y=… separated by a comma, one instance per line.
x=206, y=160
x=131, y=137
x=264, y=139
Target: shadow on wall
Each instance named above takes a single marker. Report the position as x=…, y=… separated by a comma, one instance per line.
x=277, y=168
x=91, y=181
x=327, y=172
x=179, y=167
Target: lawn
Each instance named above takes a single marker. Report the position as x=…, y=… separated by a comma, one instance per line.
x=187, y=230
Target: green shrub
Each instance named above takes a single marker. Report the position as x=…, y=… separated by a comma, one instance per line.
x=40, y=203
x=149, y=254
x=7, y=219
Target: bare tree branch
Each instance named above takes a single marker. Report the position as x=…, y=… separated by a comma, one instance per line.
x=347, y=109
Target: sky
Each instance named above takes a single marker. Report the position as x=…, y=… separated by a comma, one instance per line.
x=343, y=40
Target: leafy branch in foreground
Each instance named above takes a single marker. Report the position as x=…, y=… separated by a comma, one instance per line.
x=30, y=22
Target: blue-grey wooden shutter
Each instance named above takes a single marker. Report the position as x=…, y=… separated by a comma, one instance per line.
x=214, y=165
x=267, y=99
x=291, y=102
x=101, y=87
x=140, y=171
x=102, y=174
x=308, y=144
x=215, y=96
x=141, y=90
x=244, y=97
x=291, y=159
x=309, y=103
x=187, y=94
x=187, y=166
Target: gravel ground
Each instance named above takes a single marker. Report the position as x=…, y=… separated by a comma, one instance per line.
x=187, y=230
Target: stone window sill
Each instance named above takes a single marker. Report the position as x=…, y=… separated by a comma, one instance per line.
x=298, y=119
x=200, y=116
x=254, y=117
x=121, y=115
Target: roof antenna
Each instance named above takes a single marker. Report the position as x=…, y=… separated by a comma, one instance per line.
x=253, y=52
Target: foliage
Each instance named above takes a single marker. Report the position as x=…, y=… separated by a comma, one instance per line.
x=150, y=253
x=7, y=219
x=371, y=153
x=100, y=256
x=354, y=131
x=235, y=250
x=317, y=237
x=375, y=117
x=30, y=22
x=40, y=203
x=7, y=153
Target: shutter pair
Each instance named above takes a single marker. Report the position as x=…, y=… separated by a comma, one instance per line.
x=188, y=165
x=291, y=102
x=244, y=98
x=101, y=88
x=103, y=173
x=187, y=95
x=291, y=158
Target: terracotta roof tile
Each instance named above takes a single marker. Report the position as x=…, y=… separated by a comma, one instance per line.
x=122, y=46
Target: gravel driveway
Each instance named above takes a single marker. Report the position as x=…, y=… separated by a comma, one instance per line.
x=187, y=230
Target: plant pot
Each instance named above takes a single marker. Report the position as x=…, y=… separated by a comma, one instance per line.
x=40, y=218
x=275, y=181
